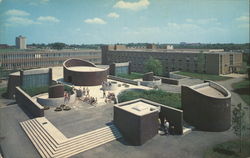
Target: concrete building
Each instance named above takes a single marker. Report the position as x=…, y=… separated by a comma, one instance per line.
x=207, y=106
x=21, y=42
x=190, y=60
x=83, y=73
x=30, y=58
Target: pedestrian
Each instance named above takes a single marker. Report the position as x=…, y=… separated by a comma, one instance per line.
x=83, y=91
x=65, y=97
x=166, y=127
x=104, y=94
x=87, y=91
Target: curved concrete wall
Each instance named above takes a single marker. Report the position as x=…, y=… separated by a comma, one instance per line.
x=91, y=78
x=155, y=82
x=55, y=101
x=56, y=91
x=205, y=112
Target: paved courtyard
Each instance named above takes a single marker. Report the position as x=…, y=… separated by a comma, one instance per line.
x=84, y=117
x=71, y=123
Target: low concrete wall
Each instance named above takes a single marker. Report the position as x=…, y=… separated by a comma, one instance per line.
x=28, y=103
x=169, y=81
x=173, y=75
x=173, y=116
x=55, y=101
x=123, y=80
x=156, y=82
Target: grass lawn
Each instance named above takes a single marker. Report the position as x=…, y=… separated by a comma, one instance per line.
x=230, y=149
x=3, y=92
x=243, y=89
x=159, y=96
x=133, y=75
x=36, y=90
x=203, y=76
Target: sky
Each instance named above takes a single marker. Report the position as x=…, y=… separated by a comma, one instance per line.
x=124, y=21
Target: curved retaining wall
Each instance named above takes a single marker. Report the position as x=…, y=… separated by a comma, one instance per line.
x=56, y=91
x=155, y=82
x=205, y=112
x=77, y=78
x=55, y=101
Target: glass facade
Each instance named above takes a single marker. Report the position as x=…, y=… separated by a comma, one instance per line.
x=121, y=70
x=35, y=80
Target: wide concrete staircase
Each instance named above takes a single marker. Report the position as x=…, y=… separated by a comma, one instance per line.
x=50, y=142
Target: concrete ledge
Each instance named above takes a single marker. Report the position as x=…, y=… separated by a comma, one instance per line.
x=123, y=80
x=156, y=82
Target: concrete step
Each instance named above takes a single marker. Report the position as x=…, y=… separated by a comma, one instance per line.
x=187, y=129
x=50, y=142
x=43, y=152
x=86, y=146
x=51, y=138
x=42, y=136
x=89, y=135
x=51, y=129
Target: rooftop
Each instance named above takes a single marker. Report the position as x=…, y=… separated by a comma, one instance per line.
x=206, y=51
x=84, y=68
x=139, y=108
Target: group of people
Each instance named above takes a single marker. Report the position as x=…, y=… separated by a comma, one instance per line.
x=84, y=95
x=106, y=85
x=90, y=100
x=83, y=91
x=110, y=97
x=166, y=128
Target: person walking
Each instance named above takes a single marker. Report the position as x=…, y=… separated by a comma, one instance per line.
x=104, y=94
x=166, y=127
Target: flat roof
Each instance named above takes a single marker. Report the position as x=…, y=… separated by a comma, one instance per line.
x=195, y=51
x=84, y=68
x=210, y=91
x=139, y=108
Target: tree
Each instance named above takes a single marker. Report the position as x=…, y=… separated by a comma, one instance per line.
x=57, y=45
x=153, y=65
x=239, y=123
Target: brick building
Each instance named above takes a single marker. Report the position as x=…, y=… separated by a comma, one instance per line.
x=190, y=60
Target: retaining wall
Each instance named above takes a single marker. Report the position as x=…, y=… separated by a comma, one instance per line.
x=123, y=80
x=28, y=103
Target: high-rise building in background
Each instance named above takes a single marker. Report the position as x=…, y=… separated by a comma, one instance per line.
x=21, y=42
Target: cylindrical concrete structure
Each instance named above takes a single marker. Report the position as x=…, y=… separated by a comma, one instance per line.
x=56, y=91
x=204, y=110
x=83, y=73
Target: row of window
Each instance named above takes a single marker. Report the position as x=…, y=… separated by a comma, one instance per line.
x=45, y=55
x=39, y=64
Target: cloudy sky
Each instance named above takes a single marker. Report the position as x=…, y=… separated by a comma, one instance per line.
x=123, y=21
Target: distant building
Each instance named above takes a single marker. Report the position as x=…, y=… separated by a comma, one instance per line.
x=30, y=58
x=170, y=47
x=4, y=46
x=190, y=60
x=21, y=42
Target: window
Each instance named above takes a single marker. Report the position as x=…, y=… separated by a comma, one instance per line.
x=231, y=58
